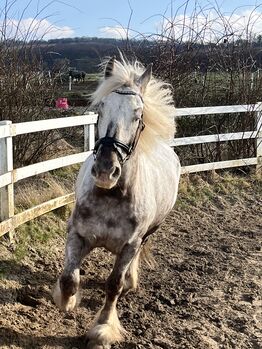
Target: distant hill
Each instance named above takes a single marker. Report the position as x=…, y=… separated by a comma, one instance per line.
x=82, y=53
x=85, y=54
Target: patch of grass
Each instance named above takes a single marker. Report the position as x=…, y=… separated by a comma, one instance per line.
x=37, y=191
x=36, y=234
x=69, y=172
x=193, y=190
x=198, y=189
x=231, y=183
x=92, y=77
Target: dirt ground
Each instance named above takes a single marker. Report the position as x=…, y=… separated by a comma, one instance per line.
x=205, y=291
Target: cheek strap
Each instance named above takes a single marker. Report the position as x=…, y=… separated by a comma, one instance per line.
x=117, y=145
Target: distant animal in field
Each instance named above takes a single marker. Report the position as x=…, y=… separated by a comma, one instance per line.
x=77, y=76
x=123, y=191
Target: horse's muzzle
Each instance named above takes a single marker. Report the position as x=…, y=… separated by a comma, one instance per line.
x=105, y=178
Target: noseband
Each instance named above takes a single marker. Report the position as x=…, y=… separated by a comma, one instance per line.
x=115, y=143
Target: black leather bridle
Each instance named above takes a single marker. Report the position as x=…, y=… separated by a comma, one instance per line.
x=115, y=143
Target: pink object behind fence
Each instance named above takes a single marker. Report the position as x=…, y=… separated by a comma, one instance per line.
x=62, y=103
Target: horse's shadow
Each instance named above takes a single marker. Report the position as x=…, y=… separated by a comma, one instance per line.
x=30, y=287
x=9, y=337
x=32, y=284
x=31, y=291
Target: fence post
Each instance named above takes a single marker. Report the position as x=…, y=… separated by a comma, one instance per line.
x=70, y=83
x=6, y=165
x=89, y=135
x=259, y=136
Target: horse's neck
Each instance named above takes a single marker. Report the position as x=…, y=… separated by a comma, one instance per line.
x=138, y=167
x=130, y=173
x=135, y=169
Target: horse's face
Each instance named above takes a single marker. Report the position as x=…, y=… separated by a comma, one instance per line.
x=119, y=127
x=120, y=117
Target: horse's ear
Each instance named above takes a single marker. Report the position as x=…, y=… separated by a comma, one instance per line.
x=110, y=67
x=145, y=77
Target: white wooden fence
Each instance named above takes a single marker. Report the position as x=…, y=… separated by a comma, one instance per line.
x=9, y=175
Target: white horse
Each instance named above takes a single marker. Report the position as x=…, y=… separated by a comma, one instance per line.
x=124, y=191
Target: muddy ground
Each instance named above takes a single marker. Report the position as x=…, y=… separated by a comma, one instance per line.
x=204, y=293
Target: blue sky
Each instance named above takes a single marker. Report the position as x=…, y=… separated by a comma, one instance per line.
x=104, y=18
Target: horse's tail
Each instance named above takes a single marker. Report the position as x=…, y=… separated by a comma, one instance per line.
x=146, y=254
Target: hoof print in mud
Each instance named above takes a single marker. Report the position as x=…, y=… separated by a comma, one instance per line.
x=25, y=298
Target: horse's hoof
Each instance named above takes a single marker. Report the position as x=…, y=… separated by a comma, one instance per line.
x=68, y=304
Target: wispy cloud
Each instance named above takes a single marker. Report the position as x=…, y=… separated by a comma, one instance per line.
x=34, y=29
x=116, y=32
x=212, y=26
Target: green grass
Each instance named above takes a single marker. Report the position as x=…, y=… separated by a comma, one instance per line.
x=37, y=233
x=196, y=190
x=92, y=77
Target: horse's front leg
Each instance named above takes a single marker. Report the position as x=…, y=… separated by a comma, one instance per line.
x=107, y=328
x=66, y=292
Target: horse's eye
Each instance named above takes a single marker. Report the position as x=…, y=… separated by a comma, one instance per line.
x=137, y=114
x=138, y=111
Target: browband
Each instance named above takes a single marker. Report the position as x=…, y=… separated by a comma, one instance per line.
x=128, y=92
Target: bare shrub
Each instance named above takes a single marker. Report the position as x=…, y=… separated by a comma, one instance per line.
x=210, y=59
x=26, y=90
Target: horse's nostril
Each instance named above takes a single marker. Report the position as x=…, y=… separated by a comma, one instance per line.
x=106, y=174
x=116, y=172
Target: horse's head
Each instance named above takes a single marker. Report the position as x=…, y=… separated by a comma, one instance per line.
x=119, y=127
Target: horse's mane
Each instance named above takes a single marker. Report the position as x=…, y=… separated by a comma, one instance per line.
x=158, y=111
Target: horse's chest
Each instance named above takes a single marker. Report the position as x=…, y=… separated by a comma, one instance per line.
x=107, y=223
x=111, y=219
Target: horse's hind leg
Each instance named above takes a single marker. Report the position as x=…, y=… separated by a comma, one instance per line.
x=66, y=292
x=131, y=276
x=144, y=253
x=107, y=328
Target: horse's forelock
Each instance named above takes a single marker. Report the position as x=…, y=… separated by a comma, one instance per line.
x=123, y=73
x=159, y=110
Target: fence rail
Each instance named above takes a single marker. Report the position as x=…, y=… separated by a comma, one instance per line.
x=8, y=176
